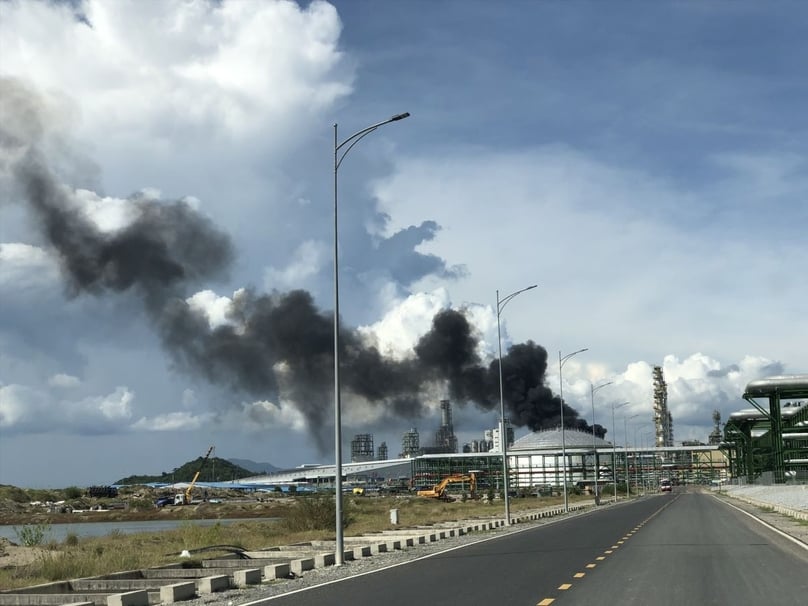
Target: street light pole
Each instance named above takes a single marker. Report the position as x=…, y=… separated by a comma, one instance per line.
x=625, y=434
x=638, y=468
x=614, y=450
x=593, y=389
x=339, y=156
x=503, y=434
x=650, y=437
x=561, y=362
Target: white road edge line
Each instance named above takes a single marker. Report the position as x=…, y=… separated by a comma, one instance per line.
x=764, y=523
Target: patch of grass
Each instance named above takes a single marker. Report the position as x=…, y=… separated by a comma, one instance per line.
x=315, y=513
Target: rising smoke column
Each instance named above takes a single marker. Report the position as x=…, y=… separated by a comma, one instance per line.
x=165, y=246
x=276, y=346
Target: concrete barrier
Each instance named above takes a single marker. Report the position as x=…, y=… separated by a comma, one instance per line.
x=247, y=576
x=301, y=565
x=212, y=584
x=129, y=598
x=176, y=592
x=277, y=571
x=362, y=551
x=321, y=560
x=377, y=548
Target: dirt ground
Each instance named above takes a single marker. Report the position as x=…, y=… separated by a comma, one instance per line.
x=12, y=555
x=16, y=515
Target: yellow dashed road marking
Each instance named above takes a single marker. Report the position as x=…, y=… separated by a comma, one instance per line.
x=580, y=575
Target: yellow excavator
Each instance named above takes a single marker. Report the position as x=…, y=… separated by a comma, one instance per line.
x=438, y=491
x=184, y=498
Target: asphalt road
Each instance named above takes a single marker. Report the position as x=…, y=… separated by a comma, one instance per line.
x=680, y=548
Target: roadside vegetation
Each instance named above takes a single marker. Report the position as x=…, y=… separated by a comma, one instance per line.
x=305, y=518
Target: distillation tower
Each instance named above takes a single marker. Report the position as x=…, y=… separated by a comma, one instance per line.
x=663, y=421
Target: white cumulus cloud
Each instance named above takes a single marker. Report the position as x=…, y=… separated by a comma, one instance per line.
x=64, y=380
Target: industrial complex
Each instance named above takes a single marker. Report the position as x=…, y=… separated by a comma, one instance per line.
x=767, y=444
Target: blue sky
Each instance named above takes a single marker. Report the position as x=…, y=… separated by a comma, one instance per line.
x=645, y=165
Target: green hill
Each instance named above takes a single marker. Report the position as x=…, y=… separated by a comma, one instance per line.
x=214, y=470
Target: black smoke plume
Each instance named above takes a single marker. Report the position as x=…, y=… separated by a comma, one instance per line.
x=278, y=346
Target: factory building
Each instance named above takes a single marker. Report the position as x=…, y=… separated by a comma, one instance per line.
x=535, y=464
x=445, y=439
x=410, y=444
x=362, y=448
x=769, y=443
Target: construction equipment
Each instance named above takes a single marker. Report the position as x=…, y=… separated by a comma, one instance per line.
x=439, y=490
x=184, y=498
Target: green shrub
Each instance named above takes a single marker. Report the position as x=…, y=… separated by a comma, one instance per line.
x=18, y=495
x=32, y=535
x=73, y=492
x=314, y=513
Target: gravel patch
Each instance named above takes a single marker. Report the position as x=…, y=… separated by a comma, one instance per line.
x=792, y=497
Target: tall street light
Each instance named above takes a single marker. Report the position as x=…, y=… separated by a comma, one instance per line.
x=614, y=449
x=340, y=151
x=503, y=434
x=561, y=361
x=639, y=471
x=593, y=389
x=651, y=441
x=625, y=434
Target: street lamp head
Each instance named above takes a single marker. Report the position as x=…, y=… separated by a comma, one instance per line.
x=398, y=117
x=595, y=388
